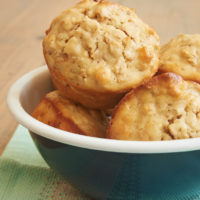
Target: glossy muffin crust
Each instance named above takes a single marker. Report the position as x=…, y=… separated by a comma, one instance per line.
x=165, y=108
x=100, y=47
x=62, y=113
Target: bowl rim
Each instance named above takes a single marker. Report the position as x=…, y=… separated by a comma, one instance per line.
x=102, y=144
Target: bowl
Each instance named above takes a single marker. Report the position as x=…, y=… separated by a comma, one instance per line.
x=105, y=168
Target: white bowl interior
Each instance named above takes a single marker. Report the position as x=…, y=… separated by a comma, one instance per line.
x=26, y=93
x=34, y=91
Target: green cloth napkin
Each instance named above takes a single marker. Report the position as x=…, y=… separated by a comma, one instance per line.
x=24, y=175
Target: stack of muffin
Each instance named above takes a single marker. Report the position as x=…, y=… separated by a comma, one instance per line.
x=104, y=60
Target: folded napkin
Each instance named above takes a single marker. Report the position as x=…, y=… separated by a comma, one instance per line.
x=24, y=175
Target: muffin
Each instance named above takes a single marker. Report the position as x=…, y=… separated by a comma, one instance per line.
x=97, y=51
x=165, y=108
x=62, y=113
x=181, y=55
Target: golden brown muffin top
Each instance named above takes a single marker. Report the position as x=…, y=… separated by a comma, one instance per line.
x=62, y=113
x=101, y=46
x=166, y=108
x=181, y=55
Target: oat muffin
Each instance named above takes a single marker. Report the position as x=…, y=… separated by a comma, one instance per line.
x=181, y=55
x=165, y=108
x=97, y=51
x=62, y=113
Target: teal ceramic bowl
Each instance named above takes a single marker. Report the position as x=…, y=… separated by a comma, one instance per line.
x=105, y=168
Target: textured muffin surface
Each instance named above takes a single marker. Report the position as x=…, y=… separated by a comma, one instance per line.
x=62, y=113
x=101, y=46
x=166, y=108
x=181, y=55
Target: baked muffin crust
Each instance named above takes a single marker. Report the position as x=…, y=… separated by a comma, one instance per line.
x=62, y=113
x=165, y=108
x=95, y=100
x=181, y=55
x=98, y=46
